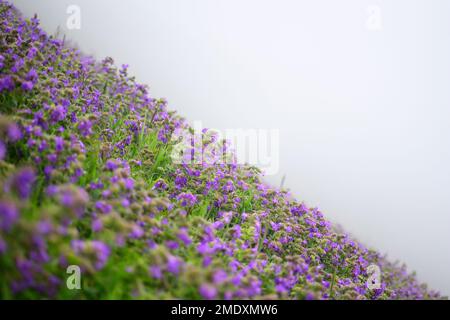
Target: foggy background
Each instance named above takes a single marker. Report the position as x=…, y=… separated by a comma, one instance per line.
x=360, y=91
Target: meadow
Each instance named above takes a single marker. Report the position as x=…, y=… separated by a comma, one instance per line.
x=88, y=179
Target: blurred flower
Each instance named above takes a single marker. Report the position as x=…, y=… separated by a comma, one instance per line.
x=207, y=291
x=8, y=215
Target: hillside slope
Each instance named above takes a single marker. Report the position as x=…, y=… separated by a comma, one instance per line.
x=88, y=178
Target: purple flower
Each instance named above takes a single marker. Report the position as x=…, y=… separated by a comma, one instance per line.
x=184, y=237
x=51, y=190
x=228, y=187
x=160, y=185
x=309, y=296
x=281, y=288
x=42, y=146
x=172, y=245
x=162, y=136
x=8, y=215
x=32, y=75
x=120, y=240
x=2, y=150
x=22, y=182
x=3, y=246
x=17, y=65
x=6, y=83
x=136, y=232
x=73, y=198
x=206, y=261
x=275, y=226
x=187, y=199
x=299, y=210
x=14, y=133
x=236, y=231
x=73, y=117
x=44, y=227
x=151, y=244
x=85, y=127
x=203, y=248
x=218, y=225
x=59, y=144
x=129, y=183
x=31, y=53
x=173, y=264
x=111, y=165
x=207, y=291
x=97, y=225
x=67, y=199
x=103, y=207
x=226, y=216
x=236, y=280
x=180, y=182
x=102, y=252
x=27, y=85
x=219, y=276
x=97, y=248
x=155, y=272
x=58, y=114
x=125, y=203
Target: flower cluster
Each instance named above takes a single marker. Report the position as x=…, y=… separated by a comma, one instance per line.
x=87, y=179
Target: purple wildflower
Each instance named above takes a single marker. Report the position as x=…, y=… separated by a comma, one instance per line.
x=103, y=207
x=136, y=232
x=187, y=199
x=180, y=181
x=59, y=144
x=14, y=133
x=111, y=165
x=184, y=237
x=173, y=264
x=236, y=231
x=85, y=127
x=2, y=150
x=3, y=246
x=129, y=183
x=8, y=215
x=219, y=276
x=44, y=227
x=155, y=272
x=102, y=252
x=22, y=182
x=58, y=114
x=32, y=75
x=207, y=291
x=6, y=83
x=27, y=85
x=97, y=225
x=172, y=245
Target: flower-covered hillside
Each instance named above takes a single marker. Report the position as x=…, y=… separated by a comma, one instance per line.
x=87, y=179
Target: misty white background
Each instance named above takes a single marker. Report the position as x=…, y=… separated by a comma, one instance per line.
x=363, y=112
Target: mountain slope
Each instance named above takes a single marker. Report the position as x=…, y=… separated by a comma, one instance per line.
x=88, y=178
